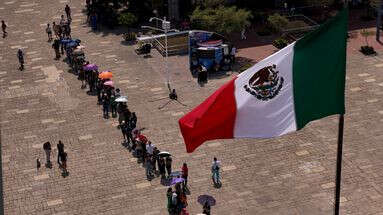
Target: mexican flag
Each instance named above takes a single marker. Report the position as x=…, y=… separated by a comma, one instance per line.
x=303, y=82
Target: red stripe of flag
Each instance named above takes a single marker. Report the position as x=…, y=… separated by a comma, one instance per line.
x=212, y=119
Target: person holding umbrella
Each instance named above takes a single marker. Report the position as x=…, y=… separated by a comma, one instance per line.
x=206, y=208
x=161, y=167
x=168, y=165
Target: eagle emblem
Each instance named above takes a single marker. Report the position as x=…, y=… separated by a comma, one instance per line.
x=265, y=84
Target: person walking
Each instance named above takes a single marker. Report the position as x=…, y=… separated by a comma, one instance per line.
x=67, y=11
x=49, y=32
x=47, y=148
x=185, y=173
x=60, y=151
x=56, y=47
x=232, y=54
x=243, y=36
x=20, y=56
x=168, y=165
x=4, y=27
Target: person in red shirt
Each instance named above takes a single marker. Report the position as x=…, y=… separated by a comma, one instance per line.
x=185, y=172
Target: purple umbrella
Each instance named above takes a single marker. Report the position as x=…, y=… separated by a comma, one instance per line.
x=90, y=67
x=176, y=180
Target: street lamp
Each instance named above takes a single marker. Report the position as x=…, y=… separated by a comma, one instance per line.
x=166, y=28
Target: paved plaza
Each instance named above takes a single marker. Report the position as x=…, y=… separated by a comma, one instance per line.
x=293, y=174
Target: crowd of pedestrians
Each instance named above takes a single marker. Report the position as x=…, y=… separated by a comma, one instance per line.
x=155, y=162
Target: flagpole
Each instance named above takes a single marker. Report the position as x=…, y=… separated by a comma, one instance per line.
x=339, y=164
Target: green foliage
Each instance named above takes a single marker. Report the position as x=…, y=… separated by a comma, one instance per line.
x=212, y=3
x=318, y=2
x=264, y=31
x=277, y=22
x=223, y=20
x=127, y=19
x=280, y=43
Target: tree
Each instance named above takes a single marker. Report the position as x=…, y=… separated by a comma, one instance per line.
x=127, y=19
x=212, y=3
x=224, y=20
x=277, y=22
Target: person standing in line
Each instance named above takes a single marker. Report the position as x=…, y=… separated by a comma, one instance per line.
x=105, y=106
x=148, y=167
x=113, y=106
x=49, y=32
x=185, y=173
x=60, y=151
x=56, y=47
x=67, y=11
x=117, y=93
x=161, y=167
x=168, y=165
x=62, y=21
x=4, y=27
x=38, y=164
x=47, y=148
x=156, y=160
x=169, y=195
x=149, y=148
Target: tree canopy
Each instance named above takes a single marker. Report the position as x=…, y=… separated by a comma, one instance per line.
x=224, y=20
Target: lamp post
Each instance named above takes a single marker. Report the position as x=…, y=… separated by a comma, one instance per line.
x=165, y=29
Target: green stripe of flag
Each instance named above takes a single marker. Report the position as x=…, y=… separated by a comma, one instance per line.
x=319, y=69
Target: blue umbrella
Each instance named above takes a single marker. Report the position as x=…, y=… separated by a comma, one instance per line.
x=65, y=41
x=72, y=44
x=176, y=180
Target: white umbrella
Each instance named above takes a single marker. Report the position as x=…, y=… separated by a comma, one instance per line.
x=122, y=99
x=164, y=154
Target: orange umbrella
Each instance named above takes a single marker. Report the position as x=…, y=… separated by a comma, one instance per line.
x=105, y=75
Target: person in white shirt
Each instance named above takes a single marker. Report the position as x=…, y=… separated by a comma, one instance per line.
x=243, y=36
x=232, y=54
x=149, y=148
